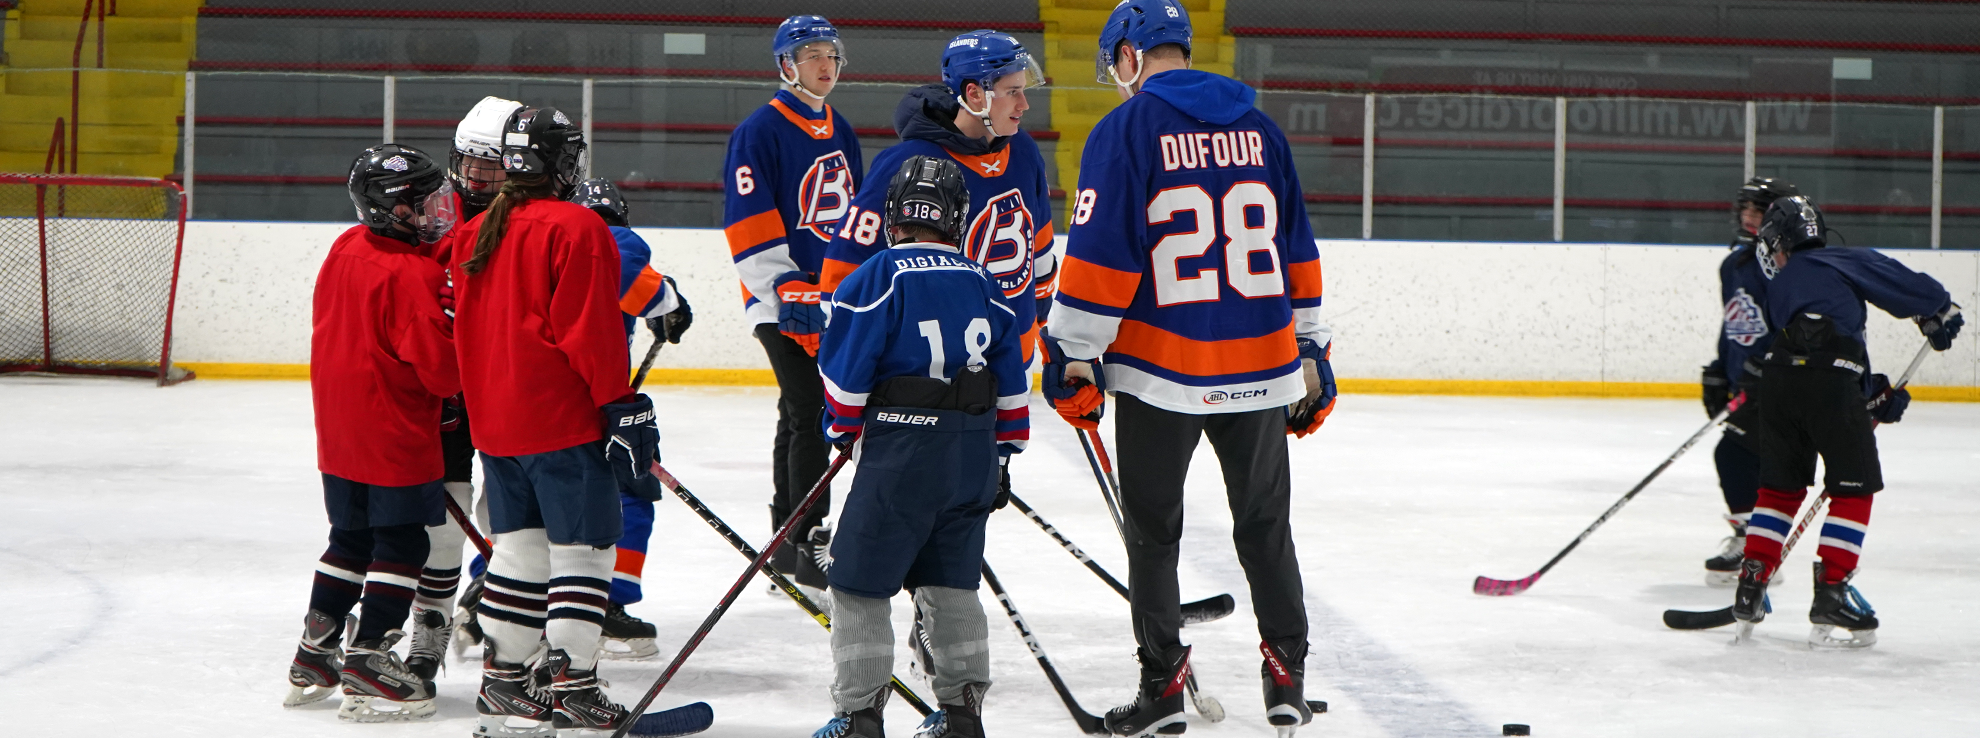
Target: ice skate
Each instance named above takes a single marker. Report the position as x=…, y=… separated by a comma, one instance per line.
x=1750, y=603
x=579, y=706
x=1157, y=708
x=379, y=688
x=956, y=721
x=467, y=630
x=1722, y=570
x=314, y=674
x=1284, y=677
x=1839, y=605
x=625, y=636
x=513, y=702
x=431, y=631
x=862, y=724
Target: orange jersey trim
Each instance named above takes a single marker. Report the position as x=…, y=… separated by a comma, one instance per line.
x=630, y=562
x=1096, y=284
x=1030, y=341
x=1205, y=358
x=834, y=272
x=643, y=288
x=818, y=129
x=993, y=164
x=754, y=231
x=1304, y=279
x=1042, y=242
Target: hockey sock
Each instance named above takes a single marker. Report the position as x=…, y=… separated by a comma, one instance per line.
x=340, y=574
x=579, y=576
x=441, y=576
x=1772, y=520
x=397, y=551
x=862, y=650
x=1739, y=475
x=959, y=637
x=631, y=555
x=517, y=594
x=1842, y=536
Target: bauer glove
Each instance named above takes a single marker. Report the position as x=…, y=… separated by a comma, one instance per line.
x=1942, y=328
x=799, y=315
x=1307, y=415
x=1074, y=387
x=1717, y=389
x=632, y=444
x=1887, y=403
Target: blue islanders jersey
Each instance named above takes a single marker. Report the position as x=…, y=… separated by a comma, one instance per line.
x=1744, y=332
x=643, y=292
x=924, y=310
x=789, y=177
x=1837, y=281
x=1190, y=268
x=1009, y=230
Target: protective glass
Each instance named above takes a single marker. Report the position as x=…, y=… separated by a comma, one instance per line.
x=812, y=53
x=437, y=214
x=1103, y=72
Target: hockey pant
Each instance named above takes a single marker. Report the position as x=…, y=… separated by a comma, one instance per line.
x=1806, y=412
x=1155, y=447
x=798, y=455
x=863, y=647
x=556, y=517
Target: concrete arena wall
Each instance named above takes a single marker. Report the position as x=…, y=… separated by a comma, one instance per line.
x=1470, y=317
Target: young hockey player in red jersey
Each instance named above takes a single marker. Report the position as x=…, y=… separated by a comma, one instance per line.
x=1191, y=290
x=1818, y=397
x=790, y=174
x=381, y=359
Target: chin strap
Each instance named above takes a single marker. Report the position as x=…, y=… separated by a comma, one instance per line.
x=1128, y=85
x=983, y=115
x=794, y=82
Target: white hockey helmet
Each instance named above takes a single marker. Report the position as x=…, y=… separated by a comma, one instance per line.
x=480, y=133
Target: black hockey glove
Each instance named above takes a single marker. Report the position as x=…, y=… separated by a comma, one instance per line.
x=1942, y=328
x=675, y=323
x=1003, y=483
x=452, y=410
x=632, y=444
x=1887, y=403
x=1718, y=390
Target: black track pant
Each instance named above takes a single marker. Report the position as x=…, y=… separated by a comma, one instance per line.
x=799, y=453
x=1155, y=446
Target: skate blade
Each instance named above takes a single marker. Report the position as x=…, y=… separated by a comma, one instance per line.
x=1286, y=717
x=1823, y=637
x=1743, y=633
x=631, y=649
x=367, y=709
x=499, y=726
x=307, y=695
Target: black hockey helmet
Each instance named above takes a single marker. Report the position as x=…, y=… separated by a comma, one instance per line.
x=387, y=176
x=1763, y=191
x=1793, y=223
x=603, y=198
x=543, y=141
x=928, y=191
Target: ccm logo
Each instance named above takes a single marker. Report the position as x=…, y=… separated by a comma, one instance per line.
x=905, y=419
x=640, y=419
x=808, y=298
x=1220, y=397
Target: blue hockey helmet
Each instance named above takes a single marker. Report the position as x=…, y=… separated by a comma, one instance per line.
x=799, y=30
x=986, y=56
x=1792, y=223
x=1142, y=24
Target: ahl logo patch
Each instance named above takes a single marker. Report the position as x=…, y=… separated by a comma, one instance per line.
x=1744, y=321
x=396, y=164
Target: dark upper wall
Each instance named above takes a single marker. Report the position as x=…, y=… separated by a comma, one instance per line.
x=1851, y=20
x=974, y=10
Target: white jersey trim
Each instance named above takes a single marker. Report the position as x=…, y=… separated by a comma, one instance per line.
x=1276, y=392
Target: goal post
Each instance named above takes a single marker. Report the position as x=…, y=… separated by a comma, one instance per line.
x=89, y=274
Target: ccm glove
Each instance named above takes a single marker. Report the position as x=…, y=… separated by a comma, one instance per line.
x=798, y=312
x=1074, y=387
x=1942, y=328
x=1717, y=389
x=632, y=444
x=1307, y=415
x=675, y=323
x=1887, y=403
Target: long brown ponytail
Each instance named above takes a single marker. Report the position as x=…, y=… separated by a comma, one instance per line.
x=519, y=188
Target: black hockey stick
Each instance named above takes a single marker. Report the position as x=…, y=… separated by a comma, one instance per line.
x=735, y=590
x=659, y=337
x=1200, y=611
x=776, y=577
x=1088, y=723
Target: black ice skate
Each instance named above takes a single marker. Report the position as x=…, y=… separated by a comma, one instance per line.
x=1722, y=570
x=625, y=636
x=467, y=629
x=1839, y=605
x=578, y=702
x=1750, y=604
x=430, y=634
x=314, y=674
x=1284, y=675
x=956, y=721
x=1158, y=705
x=863, y=724
x=379, y=688
x=513, y=703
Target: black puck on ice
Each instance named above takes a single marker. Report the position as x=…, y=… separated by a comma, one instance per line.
x=1515, y=729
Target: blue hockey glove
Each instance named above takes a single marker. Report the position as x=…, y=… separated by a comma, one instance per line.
x=1307, y=415
x=1077, y=399
x=799, y=315
x=1887, y=403
x=1942, y=328
x=632, y=444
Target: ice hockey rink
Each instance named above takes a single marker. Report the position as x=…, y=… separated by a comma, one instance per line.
x=156, y=549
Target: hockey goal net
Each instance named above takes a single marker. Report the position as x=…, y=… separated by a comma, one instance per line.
x=89, y=271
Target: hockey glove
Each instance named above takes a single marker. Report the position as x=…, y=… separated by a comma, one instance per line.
x=1887, y=403
x=451, y=411
x=447, y=297
x=1942, y=328
x=1717, y=389
x=1074, y=387
x=632, y=443
x=676, y=322
x=799, y=315
x=1003, y=483
x=1307, y=415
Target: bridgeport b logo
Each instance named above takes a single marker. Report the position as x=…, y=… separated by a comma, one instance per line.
x=824, y=195
x=1000, y=238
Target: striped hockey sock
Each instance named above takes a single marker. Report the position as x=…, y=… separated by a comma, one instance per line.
x=441, y=576
x=1772, y=521
x=580, y=576
x=517, y=593
x=436, y=588
x=1842, y=536
x=339, y=583
x=388, y=598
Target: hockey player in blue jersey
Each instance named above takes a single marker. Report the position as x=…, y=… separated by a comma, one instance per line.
x=923, y=367
x=1819, y=397
x=1743, y=338
x=790, y=176
x=971, y=117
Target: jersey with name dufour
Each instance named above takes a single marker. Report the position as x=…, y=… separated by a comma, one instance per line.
x=789, y=177
x=1837, y=281
x=1744, y=334
x=921, y=310
x=1190, y=263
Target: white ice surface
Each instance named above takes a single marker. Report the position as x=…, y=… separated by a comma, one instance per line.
x=156, y=548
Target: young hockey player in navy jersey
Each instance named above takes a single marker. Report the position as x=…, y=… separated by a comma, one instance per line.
x=789, y=178
x=1191, y=289
x=972, y=118
x=1743, y=338
x=1819, y=397
x=923, y=365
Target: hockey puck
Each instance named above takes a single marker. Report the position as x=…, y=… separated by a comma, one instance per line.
x=1515, y=729
x=1316, y=706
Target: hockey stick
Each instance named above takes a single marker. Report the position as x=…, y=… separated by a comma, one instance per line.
x=1088, y=723
x=659, y=337
x=735, y=590
x=1504, y=587
x=1200, y=611
x=776, y=577
x=1110, y=490
x=1696, y=620
x=480, y=544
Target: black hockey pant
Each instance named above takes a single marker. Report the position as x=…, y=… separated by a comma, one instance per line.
x=798, y=457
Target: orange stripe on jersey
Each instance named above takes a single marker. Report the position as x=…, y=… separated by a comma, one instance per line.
x=643, y=288
x=832, y=272
x=746, y=295
x=1042, y=242
x=754, y=231
x=1205, y=358
x=818, y=129
x=1100, y=285
x=992, y=164
x=630, y=562
x=1304, y=279
x=1030, y=342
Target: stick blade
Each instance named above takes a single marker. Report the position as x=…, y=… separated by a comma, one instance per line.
x=1692, y=620
x=1490, y=587
x=1208, y=609
x=683, y=720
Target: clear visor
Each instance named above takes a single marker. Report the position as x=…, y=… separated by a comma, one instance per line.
x=1034, y=76
x=437, y=214
x=1100, y=66
x=815, y=52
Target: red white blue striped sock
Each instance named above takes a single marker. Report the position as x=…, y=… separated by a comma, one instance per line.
x=1772, y=521
x=1842, y=536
